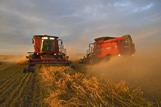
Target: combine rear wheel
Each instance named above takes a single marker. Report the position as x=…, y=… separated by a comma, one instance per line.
x=108, y=57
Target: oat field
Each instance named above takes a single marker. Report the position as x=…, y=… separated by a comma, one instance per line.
x=57, y=86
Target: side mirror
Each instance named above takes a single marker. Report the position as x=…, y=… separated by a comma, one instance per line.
x=91, y=45
x=61, y=42
x=32, y=41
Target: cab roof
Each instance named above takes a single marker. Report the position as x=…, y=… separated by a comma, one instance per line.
x=39, y=36
x=104, y=38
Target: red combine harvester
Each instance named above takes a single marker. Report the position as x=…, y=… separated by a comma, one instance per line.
x=47, y=50
x=105, y=47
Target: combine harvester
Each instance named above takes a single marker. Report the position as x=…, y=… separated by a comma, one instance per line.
x=47, y=50
x=105, y=47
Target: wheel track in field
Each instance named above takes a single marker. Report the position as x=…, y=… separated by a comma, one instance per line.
x=10, y=83
x=27, y=92
x=31, y=87
x=40, y=90
x=36, y=89
x=25, y=87
x=38, y=98
x=14, y=90
x=9, y=90
x=19, y=88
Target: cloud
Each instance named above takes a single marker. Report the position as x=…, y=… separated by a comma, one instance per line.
x=121, y=4
x=75, y=19
x=144, y=8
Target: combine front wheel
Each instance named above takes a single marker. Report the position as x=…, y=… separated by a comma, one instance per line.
x=31, y=69
x=24, y=70
x=70, y=65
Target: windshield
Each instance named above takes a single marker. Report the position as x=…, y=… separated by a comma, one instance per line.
x=47, y=45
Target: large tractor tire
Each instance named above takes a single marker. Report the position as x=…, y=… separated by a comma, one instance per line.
x=70, y=65
x=31, y=69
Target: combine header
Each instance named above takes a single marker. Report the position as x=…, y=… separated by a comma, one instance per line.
x=105, y=47
x=47, y=50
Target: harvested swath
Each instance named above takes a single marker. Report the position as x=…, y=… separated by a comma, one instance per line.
x=70, y=88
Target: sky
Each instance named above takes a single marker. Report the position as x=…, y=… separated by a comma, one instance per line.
x=77, y=22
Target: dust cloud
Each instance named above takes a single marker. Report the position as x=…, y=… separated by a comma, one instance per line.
x=5, y=59
x=77, y=49
x=142, y=70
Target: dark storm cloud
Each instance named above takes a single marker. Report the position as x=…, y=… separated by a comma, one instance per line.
x=75, y=19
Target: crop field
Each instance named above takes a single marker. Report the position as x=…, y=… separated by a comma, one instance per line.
x=62, y=86
x=18, y=88
x=70, y=88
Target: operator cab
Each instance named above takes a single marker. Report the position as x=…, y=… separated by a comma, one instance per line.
x=46, y=44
